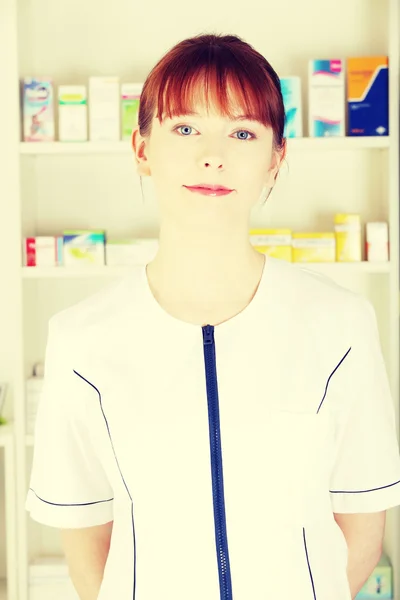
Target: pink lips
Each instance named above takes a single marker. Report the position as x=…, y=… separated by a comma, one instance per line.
x=212, y=190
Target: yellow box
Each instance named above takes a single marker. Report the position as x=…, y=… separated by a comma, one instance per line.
x=273, y=242
x=348, y=237
x=313, y=247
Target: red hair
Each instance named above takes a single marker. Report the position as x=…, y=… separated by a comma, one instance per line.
x=210, y=63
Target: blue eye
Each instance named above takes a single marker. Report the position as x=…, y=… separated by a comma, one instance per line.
x=245, y=131
x=240, y=131
x=186, y=126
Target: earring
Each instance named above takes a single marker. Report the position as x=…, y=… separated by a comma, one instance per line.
x=141, y=186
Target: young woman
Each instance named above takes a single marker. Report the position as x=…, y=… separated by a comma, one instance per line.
x=218, y=424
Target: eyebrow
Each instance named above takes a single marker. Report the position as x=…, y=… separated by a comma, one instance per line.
x=237, y=118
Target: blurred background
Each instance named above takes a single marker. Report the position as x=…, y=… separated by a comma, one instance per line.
x=80, y=176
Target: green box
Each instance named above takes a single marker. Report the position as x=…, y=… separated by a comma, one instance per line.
x=379, y=584
x=130, y=96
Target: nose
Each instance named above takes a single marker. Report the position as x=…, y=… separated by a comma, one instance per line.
x=212, y=161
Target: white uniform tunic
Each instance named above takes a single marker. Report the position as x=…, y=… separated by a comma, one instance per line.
x=220, y=453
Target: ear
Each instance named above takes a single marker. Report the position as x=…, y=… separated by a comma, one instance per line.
x=276, y=160
x=139, y=149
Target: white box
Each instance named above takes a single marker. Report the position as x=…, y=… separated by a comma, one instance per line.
x=326, y=98
x=34, y=388
x=72, y=112
x=131, y=252
x=49, y=579
x=40, y=251
x=104, y=100
x=377, y=242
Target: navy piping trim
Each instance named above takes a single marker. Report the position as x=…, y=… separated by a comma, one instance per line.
x=308, y=563
x=74, y=504
x=330, y=376
x=363, y=491
x=122, y=477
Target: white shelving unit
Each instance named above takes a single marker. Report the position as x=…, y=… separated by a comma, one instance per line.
x=48, y=187
x=298, y=144
x=9, y=586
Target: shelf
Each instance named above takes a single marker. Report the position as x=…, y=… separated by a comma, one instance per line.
x=6, y=431
x=330, y=269
x=123, y=147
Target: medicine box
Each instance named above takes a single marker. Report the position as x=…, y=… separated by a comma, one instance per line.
x=49, y=579
x=379, y=585
x=130, y=98
x=291, y=93
x=40, y=251
x=313, y=247
x=348, y=238
x=326, y=98
x=273, y=242
x=377, y=242
x=38, y=110
x=368, y=95
x=84, y=247
x=130, y=251
x=104, y=100
x=34, y=388
x=72, y=113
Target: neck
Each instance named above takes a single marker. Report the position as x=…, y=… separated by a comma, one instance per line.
x=205, y=268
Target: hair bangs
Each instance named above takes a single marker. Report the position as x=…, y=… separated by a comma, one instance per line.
x=228, y=91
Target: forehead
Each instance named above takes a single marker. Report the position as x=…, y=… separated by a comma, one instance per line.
x=205, y=98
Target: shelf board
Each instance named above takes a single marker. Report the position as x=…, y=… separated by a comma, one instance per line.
x=124, y=147
x=330, y=269
x=74, y=272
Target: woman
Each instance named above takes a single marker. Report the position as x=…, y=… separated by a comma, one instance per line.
x=218, y=423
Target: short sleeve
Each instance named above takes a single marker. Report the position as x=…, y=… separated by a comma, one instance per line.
x=366, y=472
x=68, y=485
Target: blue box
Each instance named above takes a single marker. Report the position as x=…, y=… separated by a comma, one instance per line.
x=368, y=96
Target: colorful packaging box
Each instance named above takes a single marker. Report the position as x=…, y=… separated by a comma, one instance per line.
x=273, y=242
x=377, y=242
x=72, y=113
x=130, y=98
x=104, y=123
x=368, y=95
x=313, y=247
x=379, y=585
x=40, y=251
x=291, y=92
x=326, y=98
x=38, y=110
x=348, y=238
x=84, y=247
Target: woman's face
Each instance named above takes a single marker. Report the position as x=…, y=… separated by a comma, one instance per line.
x=207, y=148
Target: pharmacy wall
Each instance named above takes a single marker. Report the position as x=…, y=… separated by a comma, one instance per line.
x=70, y=198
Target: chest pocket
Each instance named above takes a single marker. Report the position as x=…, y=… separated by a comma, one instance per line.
x=298, y=451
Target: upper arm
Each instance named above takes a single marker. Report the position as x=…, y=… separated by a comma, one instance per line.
x=86, y=551
x=69, y=487
x=366, y=473
x=369, y=528
x=86, y=543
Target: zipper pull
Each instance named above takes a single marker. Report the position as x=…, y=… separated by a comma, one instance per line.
x=208, y=334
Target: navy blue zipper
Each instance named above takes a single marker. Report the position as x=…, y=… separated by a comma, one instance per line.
x=221, y=538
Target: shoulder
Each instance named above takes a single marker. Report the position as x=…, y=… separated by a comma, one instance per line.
x=98, y=314
x=317, y=301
